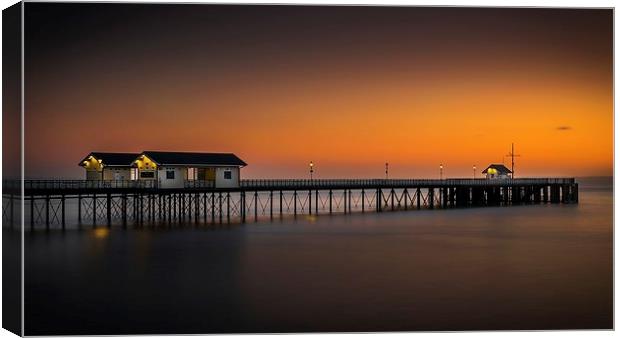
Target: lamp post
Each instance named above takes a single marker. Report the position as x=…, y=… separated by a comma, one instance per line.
x=386, y=170
x=474, y=171
x=441, y=171
x=311, y=170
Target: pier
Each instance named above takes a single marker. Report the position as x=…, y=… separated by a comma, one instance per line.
x=59, y=203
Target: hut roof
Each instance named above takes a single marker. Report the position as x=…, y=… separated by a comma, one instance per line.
x=198, y=159
x=112, y=159
x=501, y=169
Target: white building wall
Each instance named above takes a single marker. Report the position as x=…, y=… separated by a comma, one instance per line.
x=180, y=175
x=222, y=182
x=93, y=175
x=116, y=174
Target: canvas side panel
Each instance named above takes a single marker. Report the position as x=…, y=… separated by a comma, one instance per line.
x=11, y=169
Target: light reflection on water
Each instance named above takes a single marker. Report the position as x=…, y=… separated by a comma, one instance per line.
x=524, y=267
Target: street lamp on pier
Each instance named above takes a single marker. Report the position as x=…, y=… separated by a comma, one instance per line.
x=474, y=171
x=441, y=171
x=386, y=170
x=311, y=169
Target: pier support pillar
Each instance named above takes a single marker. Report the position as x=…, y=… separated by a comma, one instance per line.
x=316, y=202
x=108, y=205
x=79, y=209
x=295, y=203
x=62, y=213
x=431, y=198
x=418, y=197
x=94, y=210
x=330, y=201
x=363, y=200
x=242, y=202
x=124, y=209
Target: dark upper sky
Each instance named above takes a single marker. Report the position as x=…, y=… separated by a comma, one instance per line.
x=251, y=79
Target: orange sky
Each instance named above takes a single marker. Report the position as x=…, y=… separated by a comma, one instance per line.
x=346, y=101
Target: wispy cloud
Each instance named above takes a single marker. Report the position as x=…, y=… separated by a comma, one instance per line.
x=564, y=128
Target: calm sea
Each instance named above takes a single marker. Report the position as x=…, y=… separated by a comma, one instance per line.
x=521, y=267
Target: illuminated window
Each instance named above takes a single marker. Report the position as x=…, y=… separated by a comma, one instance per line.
x=191, y=173
x=228, y=175
x=147, y=174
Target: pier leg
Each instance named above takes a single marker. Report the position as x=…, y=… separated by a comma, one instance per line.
x=363, y=200
x=108, y=209
x=431, y=198
x=576, y=193
x=169, y=198
x=418, y=197
x=350, y=204
x=330, y=201
x=32, y=213
x=281, y=203
x=316, y=202
x=124, y=207
x=197, y=207
x=295, y=202
x=271, y=204
x=405, y=196
x=212, y=207
x=255, y=206
x=12, y=214
x=79, y=209
x=182, y=207
x=159, y=199
x=141, y=209
x=94, y=210
x=537, y=198
x=242, y=202
x=344, y=198
x=152, y=197
x=565, y=193
x=227, y=208
x=392, y=198
x=220, y=205
x=62, y=212
x=205, y=207
x=310, y=202
x=135, y=207
x=47, y=212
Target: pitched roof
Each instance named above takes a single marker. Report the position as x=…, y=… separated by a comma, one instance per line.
x=501, y=169
x=113, y=159
x=186, y=158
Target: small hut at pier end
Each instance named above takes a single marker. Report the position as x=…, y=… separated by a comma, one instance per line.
x=497, y=171
x=174, y=169
x=108, y=166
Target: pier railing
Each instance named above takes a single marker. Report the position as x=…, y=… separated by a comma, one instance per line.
x=199, y=184
x=80, y=184
x=394, y=183
x=97, y=184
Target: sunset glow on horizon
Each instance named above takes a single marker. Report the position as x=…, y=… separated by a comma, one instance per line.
x=348, y=88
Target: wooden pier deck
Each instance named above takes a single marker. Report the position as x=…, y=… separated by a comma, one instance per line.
x=56, y=203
